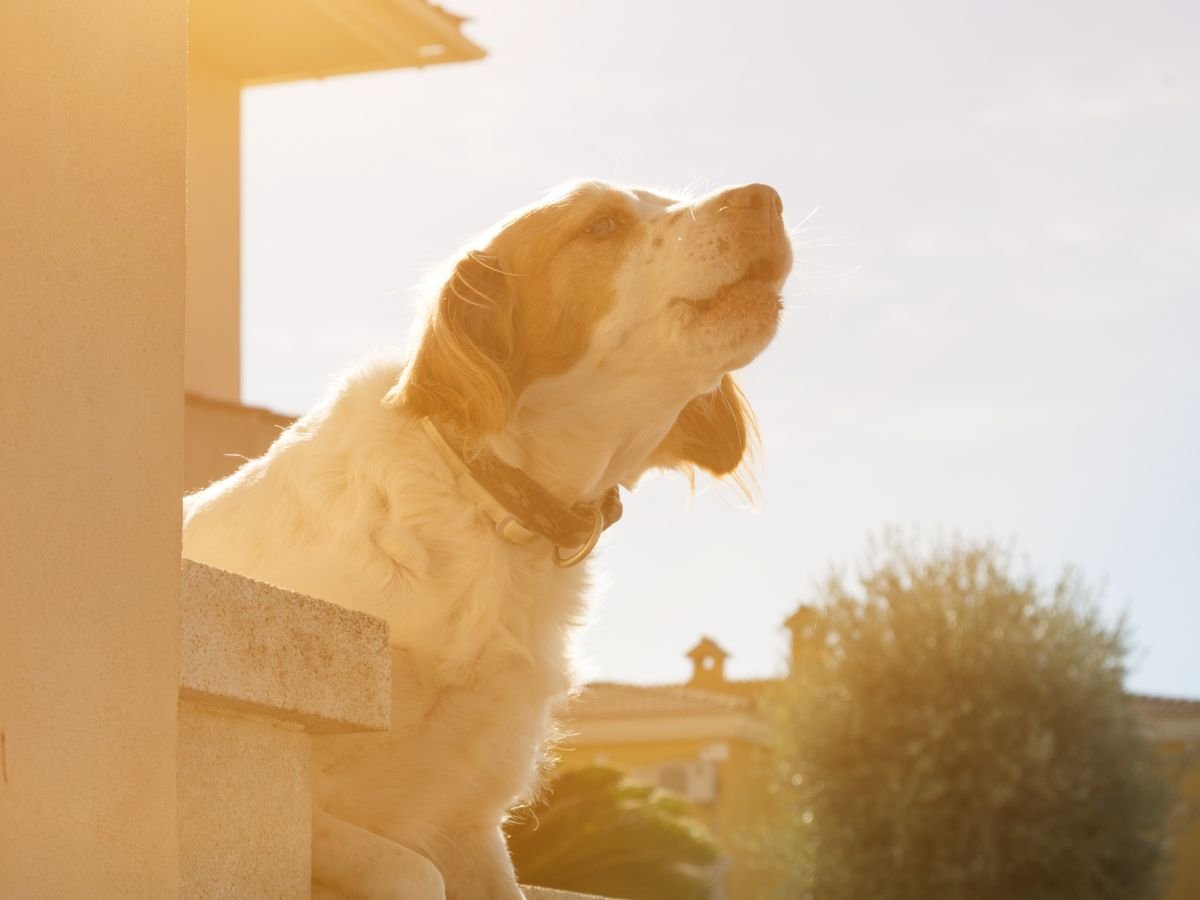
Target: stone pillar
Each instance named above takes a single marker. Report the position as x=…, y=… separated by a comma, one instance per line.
x=92, y=101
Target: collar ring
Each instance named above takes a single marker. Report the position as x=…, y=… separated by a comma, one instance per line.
x=567, y=562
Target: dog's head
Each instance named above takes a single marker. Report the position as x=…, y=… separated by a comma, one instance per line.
x=641, y=303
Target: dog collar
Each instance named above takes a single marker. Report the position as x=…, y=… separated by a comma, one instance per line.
x=524, y=510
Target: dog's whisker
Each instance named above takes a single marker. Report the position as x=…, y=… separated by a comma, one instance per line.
x=831, y=242
x=812, y=213
x=806, y=270
x=453, y=288
x=477, y=257
x=689, y=192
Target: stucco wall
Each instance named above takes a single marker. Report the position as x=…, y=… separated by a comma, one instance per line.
x=1185, y=850
x=92, y=100
x=219, y=437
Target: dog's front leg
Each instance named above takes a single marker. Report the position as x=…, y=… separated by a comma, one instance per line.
x=475, y=864
x=350, y=863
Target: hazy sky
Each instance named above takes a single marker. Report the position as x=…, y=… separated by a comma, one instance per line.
x=993, y=326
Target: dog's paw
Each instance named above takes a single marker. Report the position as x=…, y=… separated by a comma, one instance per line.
x=350, y=863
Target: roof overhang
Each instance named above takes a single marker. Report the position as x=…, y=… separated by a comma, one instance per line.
x=265, y=41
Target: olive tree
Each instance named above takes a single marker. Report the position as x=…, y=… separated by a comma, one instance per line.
x=953, y=729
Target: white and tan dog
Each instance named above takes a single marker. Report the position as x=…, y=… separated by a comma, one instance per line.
x=588, y=339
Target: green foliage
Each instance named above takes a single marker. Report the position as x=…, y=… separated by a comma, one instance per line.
x=596, y=832
x=953, y=730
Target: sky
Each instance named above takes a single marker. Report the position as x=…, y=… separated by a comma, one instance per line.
x=993, y=324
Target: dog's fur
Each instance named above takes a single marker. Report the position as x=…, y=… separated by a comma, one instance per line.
x=585, y=340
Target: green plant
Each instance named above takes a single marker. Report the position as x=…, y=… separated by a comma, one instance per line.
x=596, y=832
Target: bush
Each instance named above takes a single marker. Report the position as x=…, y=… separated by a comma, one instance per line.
x=595, y=832
x=953, y=730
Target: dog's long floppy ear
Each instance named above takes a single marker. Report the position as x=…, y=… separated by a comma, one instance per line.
x=462, y=366
x=713, y=432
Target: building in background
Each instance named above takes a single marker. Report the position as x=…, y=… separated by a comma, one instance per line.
x=708, y=746
x=233, y=44
x=707, y=740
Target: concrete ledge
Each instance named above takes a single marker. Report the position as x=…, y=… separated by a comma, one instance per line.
x=257, y=648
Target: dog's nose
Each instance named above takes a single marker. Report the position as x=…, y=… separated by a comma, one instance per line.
x=757, y=198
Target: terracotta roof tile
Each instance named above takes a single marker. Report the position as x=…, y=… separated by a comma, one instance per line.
x=1166, y=707
x=612, y=700
x=609, y=700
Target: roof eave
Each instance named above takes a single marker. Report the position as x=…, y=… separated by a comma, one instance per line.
x=728, y=726
x=441, y=25
x=272, y=41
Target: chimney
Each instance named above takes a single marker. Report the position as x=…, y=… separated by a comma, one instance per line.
x=803, y=626
x=708, y=664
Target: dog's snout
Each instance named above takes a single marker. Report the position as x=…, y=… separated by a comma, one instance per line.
x=758, y=198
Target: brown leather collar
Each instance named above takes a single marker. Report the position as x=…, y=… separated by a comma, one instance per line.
x=522, y=508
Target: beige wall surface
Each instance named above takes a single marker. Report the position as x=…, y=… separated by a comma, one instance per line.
x=218, y=437
x=212, y=360
x=92, y=101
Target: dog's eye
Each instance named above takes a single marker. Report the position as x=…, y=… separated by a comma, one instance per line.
x=603, y=225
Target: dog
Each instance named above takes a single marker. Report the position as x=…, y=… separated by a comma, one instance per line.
x=456, y=490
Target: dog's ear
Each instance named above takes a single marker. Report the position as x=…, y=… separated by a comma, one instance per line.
x=461, y=371
x=713, y=432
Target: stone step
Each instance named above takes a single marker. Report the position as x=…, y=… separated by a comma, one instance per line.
x=261, y=670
